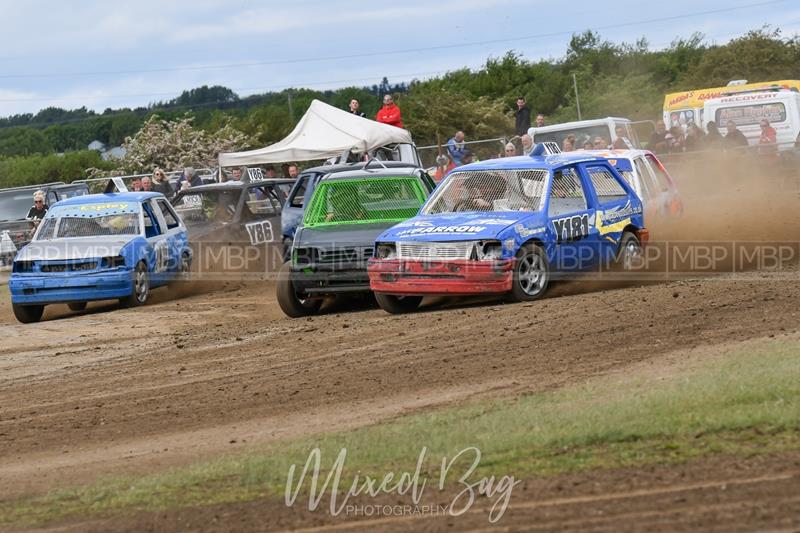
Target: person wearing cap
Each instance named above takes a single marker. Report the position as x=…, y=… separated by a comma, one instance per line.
x=39, y=209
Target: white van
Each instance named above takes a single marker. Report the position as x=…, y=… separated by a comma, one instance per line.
x=586, y=130
x=780, y=107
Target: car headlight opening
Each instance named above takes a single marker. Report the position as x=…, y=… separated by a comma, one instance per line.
x=386, y=250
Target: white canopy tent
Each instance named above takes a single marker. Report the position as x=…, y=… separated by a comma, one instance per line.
x=323, y=132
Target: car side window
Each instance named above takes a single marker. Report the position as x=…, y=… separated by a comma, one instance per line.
x=606, y=186
x=151, y=227
x=262, y=201
x=566, y=194
x=299, y=193
x=662, y=180
x=649, y=188
x=169, y=215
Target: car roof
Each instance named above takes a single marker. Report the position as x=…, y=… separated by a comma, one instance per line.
x=342, y=167
x=374, y=171
x=525, y=162
x=235, y=185
x=619, y=154
x=105, y=197
x=577, y=124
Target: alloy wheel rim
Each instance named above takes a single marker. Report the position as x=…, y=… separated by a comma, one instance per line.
x=141, y=286
x=532, y=274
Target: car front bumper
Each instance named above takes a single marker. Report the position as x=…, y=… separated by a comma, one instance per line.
x=38, y=289
x=321, y=279
x=457, y=277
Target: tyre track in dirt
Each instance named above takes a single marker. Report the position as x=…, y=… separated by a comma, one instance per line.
x=209, y=369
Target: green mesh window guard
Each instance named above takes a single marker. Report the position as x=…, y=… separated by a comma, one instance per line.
x=364, y=200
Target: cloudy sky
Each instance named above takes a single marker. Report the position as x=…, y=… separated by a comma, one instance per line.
x=101, y=54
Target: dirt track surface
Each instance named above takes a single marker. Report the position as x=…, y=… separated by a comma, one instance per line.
x=121, y=391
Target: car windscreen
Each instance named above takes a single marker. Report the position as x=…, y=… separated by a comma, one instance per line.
x=90, y=220
x=364, y=200
x=203, y=206
x=14, y=205
x=489, y=190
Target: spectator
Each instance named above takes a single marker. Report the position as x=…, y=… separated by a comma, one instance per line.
x=39, y=208
x=354, y=108
x=285, y=171
x=236, y=175
x=510, y=150
x=136, y=185
x=443, y=167
x=161, y=184
x=694, y=138
x=270, y=172
x=467, y=158
x=735, y=138
x=658, y=142
x=714, y=138
x=600, y=143
x=147, y=184
x=191, y=177
x=523, y=117
x=456, y=148
x=622, y=142
x=389, y=113
x=568, y=144
x=768, y=141
x=527, y=144
x=293, y=171
x=587, y=145
x=675, y=139
x=539, y=120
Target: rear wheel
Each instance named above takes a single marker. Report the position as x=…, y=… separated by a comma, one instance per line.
x=28, y=314
x=629, y=253
x=76, y=306
x=293, y=304
x=531, y=274
x=141, y=287
x=397, y=305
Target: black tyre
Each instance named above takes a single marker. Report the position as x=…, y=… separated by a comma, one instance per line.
x=531, y=274
x=184, y=268
x=293, y=304
x=28, y=314
x=630, y=252
x=76, y=306
x=141, y=287
x=398, y=305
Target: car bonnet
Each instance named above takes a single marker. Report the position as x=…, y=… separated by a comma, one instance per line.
x=459, y=226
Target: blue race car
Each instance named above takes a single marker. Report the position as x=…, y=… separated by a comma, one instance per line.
x=99, y=247
x=507, y=226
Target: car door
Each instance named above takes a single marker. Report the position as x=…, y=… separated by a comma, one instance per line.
x=262, y=214
x=611, y=196
x=158, y=259
x=174, y=234
x=571, y=215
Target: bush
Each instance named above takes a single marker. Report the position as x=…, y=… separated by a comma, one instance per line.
x=30, y=170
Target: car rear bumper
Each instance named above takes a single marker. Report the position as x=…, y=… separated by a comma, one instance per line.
x=459, y=277
x=37, y=289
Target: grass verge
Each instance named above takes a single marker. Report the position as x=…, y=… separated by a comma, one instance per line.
x=745, y=401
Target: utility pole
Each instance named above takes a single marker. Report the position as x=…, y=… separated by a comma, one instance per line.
x=291, y=111
x=577, y=100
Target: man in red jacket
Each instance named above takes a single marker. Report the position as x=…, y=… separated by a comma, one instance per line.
x=389, y=113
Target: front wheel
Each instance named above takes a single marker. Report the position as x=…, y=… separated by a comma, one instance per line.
x=290, y=302
x=397, y=305
x=141, y=287
x=28, y=314
x=531, y=274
